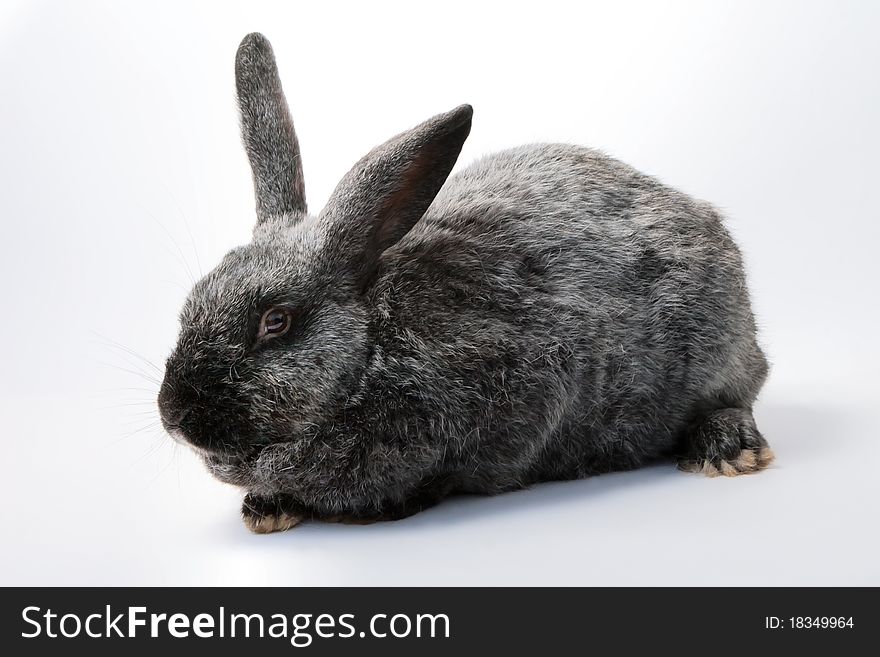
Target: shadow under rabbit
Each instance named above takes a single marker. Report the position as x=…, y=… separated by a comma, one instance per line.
x=800, y=432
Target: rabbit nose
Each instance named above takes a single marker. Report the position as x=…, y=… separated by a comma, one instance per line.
x=172, y=418
x=171, y=413
x=177, y=417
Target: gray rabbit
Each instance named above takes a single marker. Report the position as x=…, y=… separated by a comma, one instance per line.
x=547, y=313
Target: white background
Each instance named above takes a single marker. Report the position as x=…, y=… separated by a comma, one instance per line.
x=123, y=176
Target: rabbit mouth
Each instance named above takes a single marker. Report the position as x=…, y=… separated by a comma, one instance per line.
x=214, y=448
x=203, y=450
x=200, y=447
x=178, y=436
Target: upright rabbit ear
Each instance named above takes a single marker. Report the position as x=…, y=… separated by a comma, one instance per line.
x=390, y=188
x=267, y=132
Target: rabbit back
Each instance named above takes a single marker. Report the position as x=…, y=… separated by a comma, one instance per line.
x=568, y=315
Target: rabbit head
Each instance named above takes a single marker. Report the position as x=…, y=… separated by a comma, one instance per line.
x=275, y=338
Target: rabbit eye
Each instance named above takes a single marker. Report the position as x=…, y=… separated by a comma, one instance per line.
x=275, y=322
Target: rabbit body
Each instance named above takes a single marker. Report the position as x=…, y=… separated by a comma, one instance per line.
x=550, y=313
x=555, y=314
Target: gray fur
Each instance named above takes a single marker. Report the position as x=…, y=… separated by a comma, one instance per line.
x=267, y=132
x=551, y=313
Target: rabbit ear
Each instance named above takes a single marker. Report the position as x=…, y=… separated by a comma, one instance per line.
x=267, y=132
x=390, y=188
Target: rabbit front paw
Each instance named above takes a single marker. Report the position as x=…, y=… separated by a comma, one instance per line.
x=265, y=515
